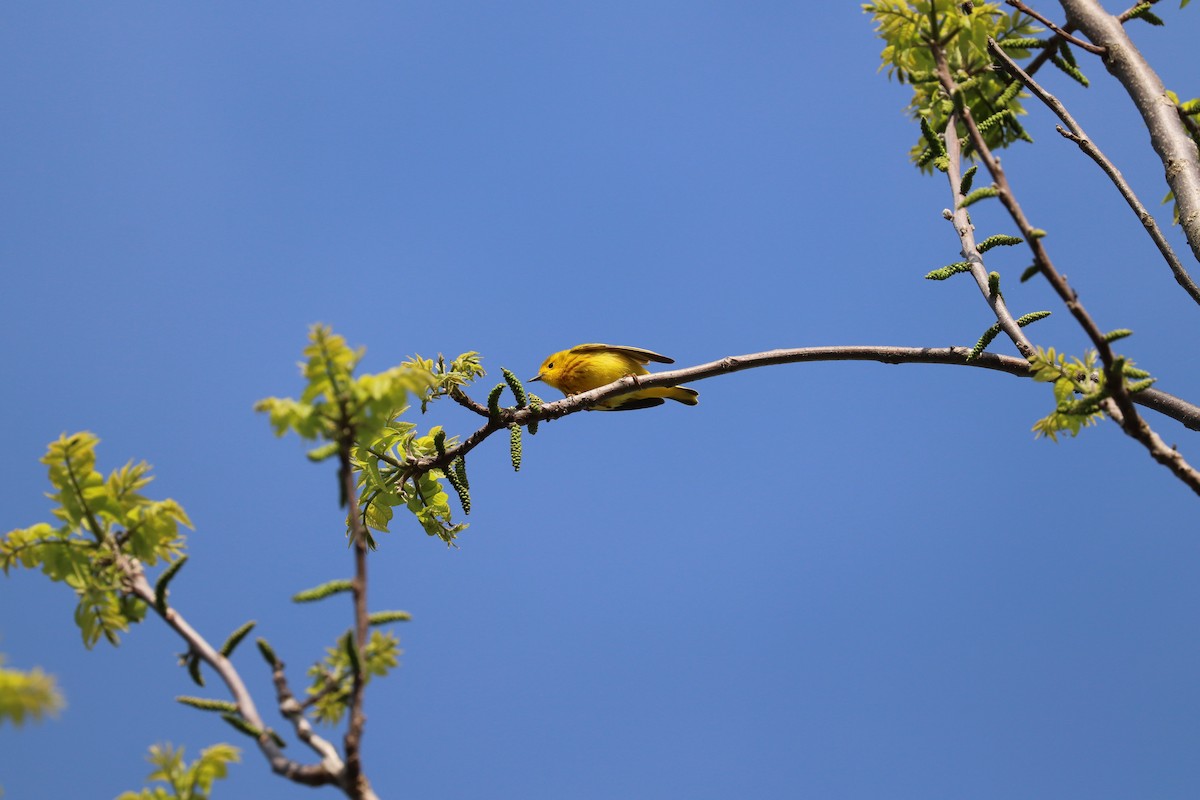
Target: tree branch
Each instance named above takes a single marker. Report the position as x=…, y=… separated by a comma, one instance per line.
x=1169, y=405
x=293, y=711
x=1076, y=134
x=307, y=774
x=355, y=782
x=966, y=236
x=1175, y=148
x=1128, y=418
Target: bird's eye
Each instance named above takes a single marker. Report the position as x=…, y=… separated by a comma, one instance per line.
x=550, y=365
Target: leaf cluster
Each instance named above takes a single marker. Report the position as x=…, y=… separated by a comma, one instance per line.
x=386, y=480
x=915, y=32
x=332, y=678
x=102, y=523
x=185, y=781
x=32, y=694
x=337, y=406
x=1080, y=388
x=362, y=415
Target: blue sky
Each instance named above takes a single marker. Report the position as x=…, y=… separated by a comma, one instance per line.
x=830, y=580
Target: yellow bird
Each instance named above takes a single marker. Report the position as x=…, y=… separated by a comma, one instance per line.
x=590, y=366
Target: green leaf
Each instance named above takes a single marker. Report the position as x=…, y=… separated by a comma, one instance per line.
x=187, y=782
x=33, y=695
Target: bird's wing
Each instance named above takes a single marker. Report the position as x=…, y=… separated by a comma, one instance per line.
x=636, y=353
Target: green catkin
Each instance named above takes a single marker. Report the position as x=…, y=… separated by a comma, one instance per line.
x=236, y=637
x=242, y=725
x=535, y=403
x=1031, y=318
x=988, y=335
x=494, y=400
x=514, y=446
x=982, y=193
x=942, y=273
x=388, y=617
x=1119, y=333
x=999, y=240
x=517, y=389
x=324, y=590
x=206, y=704
x=456, y=473
x=164, y=580
x=268, y=652
x=968, y=177
x=193, y=668
x=1008, y=94
x=1070, y=70
x=460, y=469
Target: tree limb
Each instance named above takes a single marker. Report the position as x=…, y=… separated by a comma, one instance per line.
x=1169, y=405
x=1176, y=149
x=1076, y=134
x=307, y=774
x=1128, y=418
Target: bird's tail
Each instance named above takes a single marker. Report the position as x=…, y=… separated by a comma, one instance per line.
x=647, y=398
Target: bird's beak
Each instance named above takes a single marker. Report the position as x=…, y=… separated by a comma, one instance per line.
x=535, y=378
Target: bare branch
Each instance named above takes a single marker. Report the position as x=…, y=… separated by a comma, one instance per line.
x=307, y=774
x=1076, y=134
x=966, y=235
x=293, y=711
x=1168, y=136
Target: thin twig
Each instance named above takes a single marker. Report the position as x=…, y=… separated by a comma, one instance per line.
x=966, y=236
x=1058, y=31
x=1076, y=134
x=293, y=711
